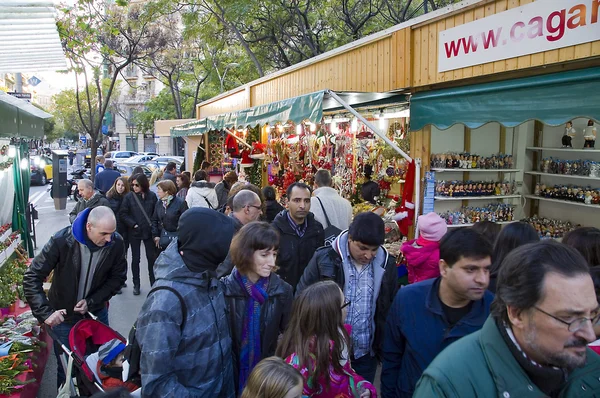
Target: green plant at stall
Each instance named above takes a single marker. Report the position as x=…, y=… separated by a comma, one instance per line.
x=198, y=160
x=254, y=173
x=10, y=367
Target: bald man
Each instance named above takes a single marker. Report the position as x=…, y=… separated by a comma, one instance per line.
x=89, y=264
x=89, y=198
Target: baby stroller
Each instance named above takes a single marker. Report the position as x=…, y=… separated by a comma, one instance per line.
x=85, y=339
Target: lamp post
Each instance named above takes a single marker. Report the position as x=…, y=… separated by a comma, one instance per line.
x=132, y=127
x=222, y=79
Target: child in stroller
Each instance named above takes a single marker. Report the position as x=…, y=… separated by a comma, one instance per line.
x=110, y=366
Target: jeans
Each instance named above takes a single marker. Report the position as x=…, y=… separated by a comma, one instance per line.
x=365, y=366
x=135, y=258
x=62, y=332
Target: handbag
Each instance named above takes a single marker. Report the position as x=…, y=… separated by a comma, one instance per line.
x=331, y=232
x=166, y=237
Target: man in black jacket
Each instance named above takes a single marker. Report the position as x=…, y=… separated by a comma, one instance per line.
x=366, y=273
x=88, y=200
x=106, y=178
x=88, y=260
x=300, y=234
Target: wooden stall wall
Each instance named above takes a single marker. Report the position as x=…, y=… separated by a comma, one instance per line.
x=425, y=47
x=236, y=101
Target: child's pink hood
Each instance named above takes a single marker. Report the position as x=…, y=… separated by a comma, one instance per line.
x=422, y=262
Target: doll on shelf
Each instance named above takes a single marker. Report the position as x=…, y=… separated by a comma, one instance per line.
x=589, y=135
x=568, y=136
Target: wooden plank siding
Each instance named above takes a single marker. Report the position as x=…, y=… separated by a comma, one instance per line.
x=234, y=102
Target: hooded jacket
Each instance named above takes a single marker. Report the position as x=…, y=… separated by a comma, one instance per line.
x=422, y=262
x=222, y=191
x=327, y=264
x=295, y=252
x=417, y=331
x=131, y=214
x=195, y=361
x=492, y=371
x=274, y=315
x=199, y=193
x=62, y=254
x=96, y=200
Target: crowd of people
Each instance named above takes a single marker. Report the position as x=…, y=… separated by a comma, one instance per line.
x=249, y=297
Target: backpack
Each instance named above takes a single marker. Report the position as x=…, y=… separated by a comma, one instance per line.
x=133, y=351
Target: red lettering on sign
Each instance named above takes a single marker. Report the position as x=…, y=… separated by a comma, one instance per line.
x=559, y=29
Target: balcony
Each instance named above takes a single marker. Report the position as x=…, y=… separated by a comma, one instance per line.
x=139, y=98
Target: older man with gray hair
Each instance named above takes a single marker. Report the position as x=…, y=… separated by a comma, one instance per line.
x=88, y=260
x=88, y=200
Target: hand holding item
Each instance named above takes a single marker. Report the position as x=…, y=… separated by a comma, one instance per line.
x=81, y=307
x=156, y=242
x=56, y=318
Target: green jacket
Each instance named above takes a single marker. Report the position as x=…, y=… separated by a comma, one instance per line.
x=481, y=365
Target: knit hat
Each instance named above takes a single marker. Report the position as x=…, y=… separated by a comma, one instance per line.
x=432, y=227
x=109, y=351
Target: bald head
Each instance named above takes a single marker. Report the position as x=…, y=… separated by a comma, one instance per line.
x=85, y=188
x=101, y=225
x=102, y=215
x=247, y=206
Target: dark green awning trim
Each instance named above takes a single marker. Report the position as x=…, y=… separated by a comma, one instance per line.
x=554, y=99
x=307, y=107
x=19, y=118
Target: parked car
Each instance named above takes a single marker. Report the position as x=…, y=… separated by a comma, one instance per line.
x=41, y=169
x=137, y=159
x=126, y=169
x=161, y=161
x=153, y=154
x=119, y=155
x=88, y=156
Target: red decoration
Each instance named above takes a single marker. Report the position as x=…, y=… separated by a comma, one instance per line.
x=405, y=214
x=231, y=146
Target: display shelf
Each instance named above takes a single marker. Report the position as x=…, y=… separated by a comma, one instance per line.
x=8, y=252
x=6, y=235
x=471, y=224
x=539, y=173
x=490, y=197
x=539, y=148
x=476, y=170
x=565, y=202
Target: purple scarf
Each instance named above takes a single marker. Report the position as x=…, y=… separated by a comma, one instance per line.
x=250, y=352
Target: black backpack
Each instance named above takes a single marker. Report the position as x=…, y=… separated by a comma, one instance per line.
x=133, y=351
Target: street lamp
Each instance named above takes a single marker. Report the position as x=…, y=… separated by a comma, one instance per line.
x=231, y=65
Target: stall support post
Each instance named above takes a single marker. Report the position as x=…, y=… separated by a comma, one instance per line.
x=417, y=194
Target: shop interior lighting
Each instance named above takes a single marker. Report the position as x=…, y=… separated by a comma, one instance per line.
x=280, y=128
x=24, y=164
x=354, y=126
x=299, y=129
x=268, y=128
x=327, y=120
x=313, y=127
x=394, y=114
x=12, y=151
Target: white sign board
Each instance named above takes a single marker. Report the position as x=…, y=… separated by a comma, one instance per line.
x=535, y=27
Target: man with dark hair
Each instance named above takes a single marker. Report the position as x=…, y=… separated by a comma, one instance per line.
x=447, y=308
x=367, y=275
x=202, y=193
x=534, y=344
x=171, y=172
x=327, y=204
x=106, y=178
x=300, y=234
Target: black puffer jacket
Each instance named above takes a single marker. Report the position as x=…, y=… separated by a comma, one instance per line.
x=274, y=315
x=115, y=202
x=167, y=218
x=273, y=208
x=131, y=214
x=295, y=252
x=62, y=254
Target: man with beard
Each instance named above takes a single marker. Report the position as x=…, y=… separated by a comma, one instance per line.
x=534, y=342
x=443, y=309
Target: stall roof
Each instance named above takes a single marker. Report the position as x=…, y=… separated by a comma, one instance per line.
x=19, y=118
x=553, y=99
x=30, y=40
x=308, y=107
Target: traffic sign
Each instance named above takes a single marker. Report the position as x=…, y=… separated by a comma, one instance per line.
x=25, y=96
x=34, y=81
x=82, y=139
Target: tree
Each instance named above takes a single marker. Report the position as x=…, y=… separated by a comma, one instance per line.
x=103, y=39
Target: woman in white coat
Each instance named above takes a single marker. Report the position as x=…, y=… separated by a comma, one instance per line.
x=202, y=193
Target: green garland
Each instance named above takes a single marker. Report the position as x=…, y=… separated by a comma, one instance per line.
x=254, y=173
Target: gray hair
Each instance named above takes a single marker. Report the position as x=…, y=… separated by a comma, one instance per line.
x=323, y=178
x=86, y=183
x=244, y=198
x=101, y=214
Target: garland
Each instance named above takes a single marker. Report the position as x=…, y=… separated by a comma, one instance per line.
x=254, y=173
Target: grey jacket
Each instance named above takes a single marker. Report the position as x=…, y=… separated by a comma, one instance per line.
x=97, y=200
x=195, y=361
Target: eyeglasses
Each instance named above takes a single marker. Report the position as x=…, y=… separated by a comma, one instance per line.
x=575, y=325
x=256, y=207
x=135, y=185
x=346, y=303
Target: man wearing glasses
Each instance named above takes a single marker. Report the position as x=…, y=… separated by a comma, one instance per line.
x=535, y=341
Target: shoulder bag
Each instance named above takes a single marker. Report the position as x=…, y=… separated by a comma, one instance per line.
x=331, y=232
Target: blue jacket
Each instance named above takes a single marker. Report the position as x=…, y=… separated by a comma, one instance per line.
x=195, y=362
x=417, y=330
x=105, y=180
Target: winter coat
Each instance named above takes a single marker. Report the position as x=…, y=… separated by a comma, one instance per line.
x=422, y=262
x=111, y=383
x=105, y=180
x=169, y=176
x=369, y=191
x=132, y=214
x=327, y=264
x=222, y=191
x=96, y=200
x=295, y=252
x=62, y=254
x=274, y=315
x=195, y=361
x=167, y=218
x=339, y=210
x=199, y=193
x=417, y=330
x=115, y=203
x=273, y=208
x=492, y=371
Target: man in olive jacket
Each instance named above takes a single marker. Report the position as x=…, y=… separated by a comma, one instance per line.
x=534, y=344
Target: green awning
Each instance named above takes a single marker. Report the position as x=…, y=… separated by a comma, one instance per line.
x=307, y=107
x=19, y=118
x=553, y=99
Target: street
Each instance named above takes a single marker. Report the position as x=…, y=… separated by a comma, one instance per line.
x=123, y=308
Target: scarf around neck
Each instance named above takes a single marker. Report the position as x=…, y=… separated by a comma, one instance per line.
x=166, y=201
x=250, y=350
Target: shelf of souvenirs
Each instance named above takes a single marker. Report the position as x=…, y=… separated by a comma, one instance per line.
x=539, y=148
x=539, y=173
x=471, y=224
x=565, y=202
x=489, y=197
x=460, y=170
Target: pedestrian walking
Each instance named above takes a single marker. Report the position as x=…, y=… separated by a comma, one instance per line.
x=170, y=172
x=273, y=378
x=106, y=178
x=89, y=198
x=183, y=184
x=327, y=204
x=317, y=343
x=363, y=268
x=99, y=164
x=182, y=328
x=167, y=211
x=223, y=187
x=300, y=234
x=202, y=193
x=88, y=261
x=534, y=342
x=136, y=212
x=273, y=206
x=370, y=190
x=115, y=196
x=428, y=316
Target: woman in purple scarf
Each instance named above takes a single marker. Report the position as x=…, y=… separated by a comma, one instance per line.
x=258, y=301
